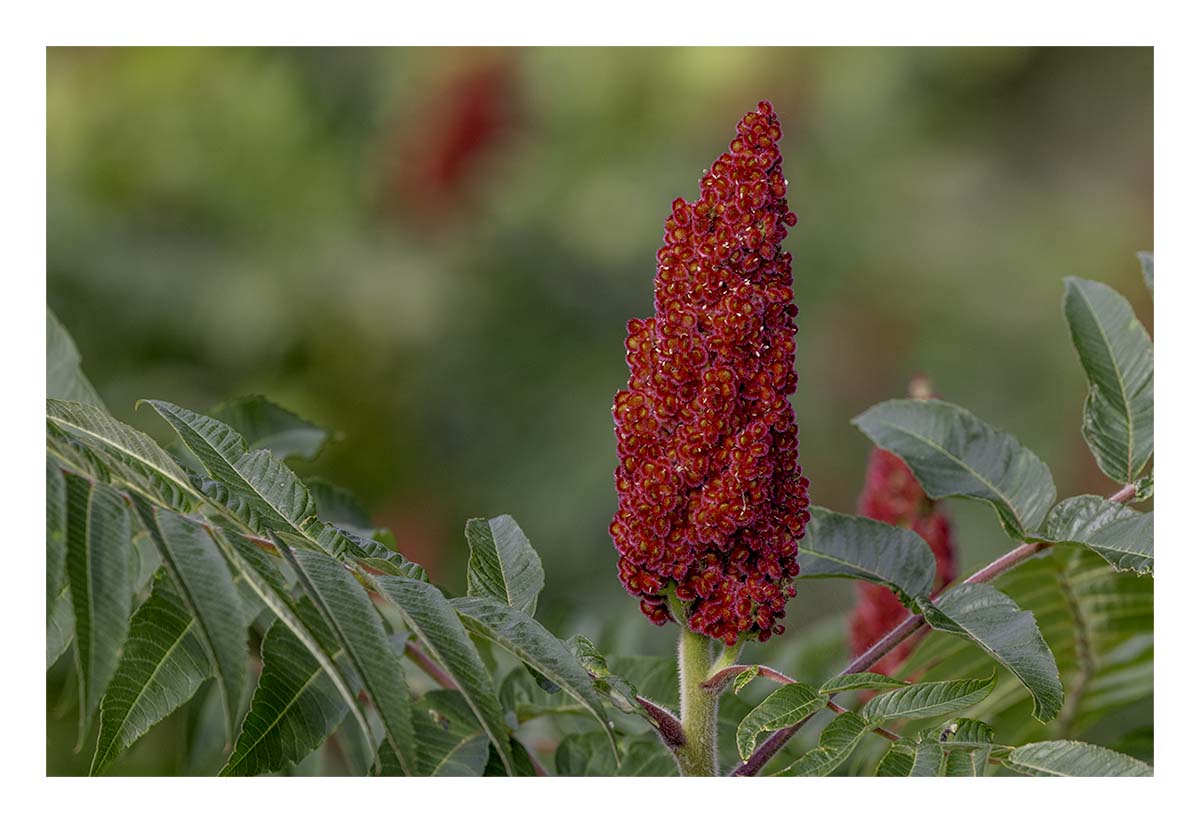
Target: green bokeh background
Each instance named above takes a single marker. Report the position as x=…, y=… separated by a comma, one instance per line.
x=233, y=221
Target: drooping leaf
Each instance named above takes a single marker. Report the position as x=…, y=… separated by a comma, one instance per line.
x=1121, y=535
x=98, y=546
x=955, y=454
x=64, y=377
x=1009, y=635
x=162, y=666
x=532, y=644
x=439, y=628
x=56, y=535
x=858, y=681
x=783, y=707
x=931, y=699
x=842, y=545
x=296, y=705
x=205, y=585
x=503, y=565
x=348, y=611
x=450, y=741
x=267, y=425
x=1071, y=758
x=838, y=740
x=1118, y=357
x=132, y=457
x=265, y=581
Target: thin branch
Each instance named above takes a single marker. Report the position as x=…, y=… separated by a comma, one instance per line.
x=896, y=636
x=414, y=652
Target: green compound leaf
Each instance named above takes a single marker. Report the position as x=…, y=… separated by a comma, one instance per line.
x=503, y=565
x=359, y=630
x=267, y=425
x=1118, y=357
x=1121, y=535
x=437, y=625
x=99, y=543
x=206, y=586
x=783, y=707
x=927, y=699
x=843, y=545
x=1071, y=758
x=162, y=666
x=1009, y=635
x=296, y=705
x=532, y=644
x=955, y=454
x=838, y=740
x=64, y=377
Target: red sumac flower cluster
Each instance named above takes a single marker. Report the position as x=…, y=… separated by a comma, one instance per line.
x=711, y=496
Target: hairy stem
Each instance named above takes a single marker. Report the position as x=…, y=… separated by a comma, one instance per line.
x=896, y=636
x=697, y=756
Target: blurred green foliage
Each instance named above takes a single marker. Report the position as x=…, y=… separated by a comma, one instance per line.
x=434, y=252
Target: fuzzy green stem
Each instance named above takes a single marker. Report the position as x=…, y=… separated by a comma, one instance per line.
x=698, y=755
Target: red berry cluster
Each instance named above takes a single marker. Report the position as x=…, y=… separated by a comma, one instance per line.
x=893, y=495
x=711, y=497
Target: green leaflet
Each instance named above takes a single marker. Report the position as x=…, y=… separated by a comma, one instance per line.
x=1121, y=535
x=56, y=535
x=927, y=699
x=451, y=743
x=783, y=707
x=265, y=581
x=162, y=666
x=295, y=706
x=1118, y=357
x=356, y=624
x=259, y=479
x=267, y=425
x=838, y=740
x=842, y=545
x=858, y=681
x=204, y=583
x=1071, y=758
x=98, y=566
x=60, y=626
x=955, y=454
x=1010, y=636
x=64, y=378
x=1146, y=259
x=531, y=643
x=437, y=625
x=129, y=456
x=503, y=565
